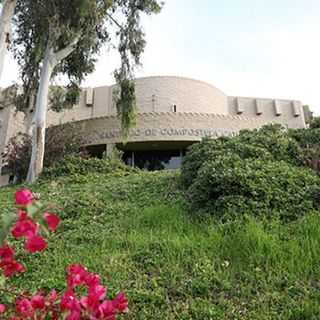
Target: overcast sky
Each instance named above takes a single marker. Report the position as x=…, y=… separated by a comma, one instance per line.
x=254, y=48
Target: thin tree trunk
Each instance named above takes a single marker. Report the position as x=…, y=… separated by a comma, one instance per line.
x=38, y=135
x=5, y=29
x=51, y=59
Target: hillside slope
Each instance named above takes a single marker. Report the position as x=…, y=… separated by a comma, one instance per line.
x=135, y=230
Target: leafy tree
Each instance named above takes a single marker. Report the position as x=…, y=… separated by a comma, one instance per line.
x=62, y=36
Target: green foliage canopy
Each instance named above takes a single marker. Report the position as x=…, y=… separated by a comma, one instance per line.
x=93, y=23
x=258, y=172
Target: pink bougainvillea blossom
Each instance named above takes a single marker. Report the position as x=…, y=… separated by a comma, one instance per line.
x=23, y=197
x=120, y=302
x=24, y=228
x=35, y=244
x=52, y=220
x=24, y=308
x=38, y=301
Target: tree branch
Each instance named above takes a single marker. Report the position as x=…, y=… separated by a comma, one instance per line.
x=115, y=21
x=65, y=52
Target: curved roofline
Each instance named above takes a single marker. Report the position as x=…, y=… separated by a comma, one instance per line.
x=172, y=77
x=183, y=78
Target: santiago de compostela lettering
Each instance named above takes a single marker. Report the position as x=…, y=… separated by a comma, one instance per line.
x=156, y=132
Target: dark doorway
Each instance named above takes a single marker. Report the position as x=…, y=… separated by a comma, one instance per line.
x=154, y=160
x=96, y=151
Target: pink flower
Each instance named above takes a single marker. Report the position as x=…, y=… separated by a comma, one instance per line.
x=92, y=279
x=69, y=302
x=22, y=214
x=120, y=303
x=74, y=315
x=38, y=301
x=98, y=292
x=35, y=244
x=24, y=228
x=52, y=297
x=24, y=307
x=107, y=310
x=52, y=221
x=76, y=275
x=6, y=253
x=2, y=308
x=23, y=197
x=92, y=301
x=11, y=267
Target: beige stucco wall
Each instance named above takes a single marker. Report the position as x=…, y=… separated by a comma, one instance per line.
x=166, y=126
x=153, y=94
x=286, y=112
x=159, y=94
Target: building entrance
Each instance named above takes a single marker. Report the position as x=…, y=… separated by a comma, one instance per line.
x=154, y=160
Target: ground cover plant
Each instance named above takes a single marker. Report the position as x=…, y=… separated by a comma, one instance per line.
x=234, y=235
x=135, y=230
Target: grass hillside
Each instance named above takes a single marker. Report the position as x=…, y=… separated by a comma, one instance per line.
x=136, y=231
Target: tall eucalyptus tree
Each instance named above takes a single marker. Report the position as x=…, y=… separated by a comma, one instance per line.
x=64, y=36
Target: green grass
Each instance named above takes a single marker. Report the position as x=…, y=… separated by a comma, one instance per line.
x=135, y=230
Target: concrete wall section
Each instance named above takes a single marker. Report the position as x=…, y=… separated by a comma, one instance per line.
x=160, y=94
x=286, y=112
x=166, y=127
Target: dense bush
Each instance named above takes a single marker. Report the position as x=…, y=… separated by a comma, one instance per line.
x=258, y=172
x=229, y=185
x=77, y=165
x=269, y=143
x=309, y=141
x=315, y=123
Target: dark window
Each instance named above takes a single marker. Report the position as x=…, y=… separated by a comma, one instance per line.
x=174, y=108
x=154, y=160
x=96, y=151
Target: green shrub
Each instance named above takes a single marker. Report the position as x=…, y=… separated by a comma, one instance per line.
x=77, y=165
x=229, y=185
x=271, y=142
x=309, y=141
x=258, y=172
x=315, y=123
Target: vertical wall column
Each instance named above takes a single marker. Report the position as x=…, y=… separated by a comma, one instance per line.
x=109, y=149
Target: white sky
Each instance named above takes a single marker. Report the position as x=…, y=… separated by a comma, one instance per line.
x=254, y=48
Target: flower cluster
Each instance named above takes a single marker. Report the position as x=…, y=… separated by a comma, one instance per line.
x=94, y=303
x=8, y=264
x=29, y=223
x=27, y=228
